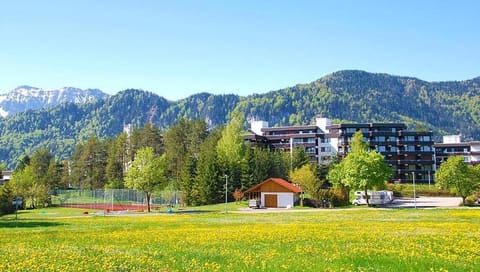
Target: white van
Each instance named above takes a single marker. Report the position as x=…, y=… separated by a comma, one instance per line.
x=375, y=198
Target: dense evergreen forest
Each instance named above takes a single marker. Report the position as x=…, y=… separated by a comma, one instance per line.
x=348, y=96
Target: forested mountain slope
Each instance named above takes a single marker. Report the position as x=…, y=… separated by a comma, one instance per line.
x=350, y=96
x=445, y=107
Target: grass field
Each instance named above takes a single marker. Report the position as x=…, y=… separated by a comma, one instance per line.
x=320, y=240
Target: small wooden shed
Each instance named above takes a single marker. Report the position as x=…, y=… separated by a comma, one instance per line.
x=274, y=193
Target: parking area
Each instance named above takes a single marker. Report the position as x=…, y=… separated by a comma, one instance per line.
x=425, y=202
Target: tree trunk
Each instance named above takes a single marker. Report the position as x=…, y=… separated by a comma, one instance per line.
x=366, y=197
x=463, y=200
x=347, y=192
x=149, y=194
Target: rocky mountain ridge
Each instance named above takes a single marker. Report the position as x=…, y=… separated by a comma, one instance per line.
x=25, y=98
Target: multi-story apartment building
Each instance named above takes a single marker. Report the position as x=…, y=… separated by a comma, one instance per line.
x=452, y=145
x=409, y=153
x=287, y=138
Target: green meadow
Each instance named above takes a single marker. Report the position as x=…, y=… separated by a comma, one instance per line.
x=209, y=240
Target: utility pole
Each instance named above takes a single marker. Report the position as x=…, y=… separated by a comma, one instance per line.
x=226, y=193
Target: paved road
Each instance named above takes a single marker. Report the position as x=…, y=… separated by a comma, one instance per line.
x=426, y=202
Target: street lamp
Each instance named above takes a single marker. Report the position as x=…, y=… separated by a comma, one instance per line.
x=414, y=192
x=226, y=192
x=291, y=154
x=428, y=179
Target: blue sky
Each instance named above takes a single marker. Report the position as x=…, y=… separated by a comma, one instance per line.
x=178, y=48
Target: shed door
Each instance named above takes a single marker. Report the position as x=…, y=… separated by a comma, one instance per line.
x=271, y=201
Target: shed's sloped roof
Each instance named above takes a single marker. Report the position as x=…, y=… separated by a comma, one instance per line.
x=287, y=185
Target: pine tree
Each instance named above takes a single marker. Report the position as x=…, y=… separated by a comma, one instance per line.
x=6, y=198
x=208, y=179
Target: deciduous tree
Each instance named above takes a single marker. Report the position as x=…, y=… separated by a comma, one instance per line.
x=147, y=173
x=308, y=180
x=231, y=151
x=456, y=174
x=25, y=183
x=361, y=169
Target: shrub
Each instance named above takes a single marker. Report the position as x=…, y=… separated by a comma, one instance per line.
x=333, y=197
x=406, y=190
x=340, y=197
x=238, y=195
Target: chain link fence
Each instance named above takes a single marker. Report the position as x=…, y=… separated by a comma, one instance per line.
x=113, y=199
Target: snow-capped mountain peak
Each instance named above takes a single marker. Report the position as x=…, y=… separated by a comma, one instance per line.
x=25, y=98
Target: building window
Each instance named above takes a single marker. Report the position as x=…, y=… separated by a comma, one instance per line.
x=326, y=149
x=410, y=148
x=426, y=168
x=381, y=148
x=351, y=130
x=425, y=138
x=393, y=149
x=410, y=138
x=426, y=148
x=311, y=150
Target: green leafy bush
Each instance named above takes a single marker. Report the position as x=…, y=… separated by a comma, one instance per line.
x=406, y=190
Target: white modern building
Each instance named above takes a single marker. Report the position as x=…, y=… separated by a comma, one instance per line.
x=452, y=145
